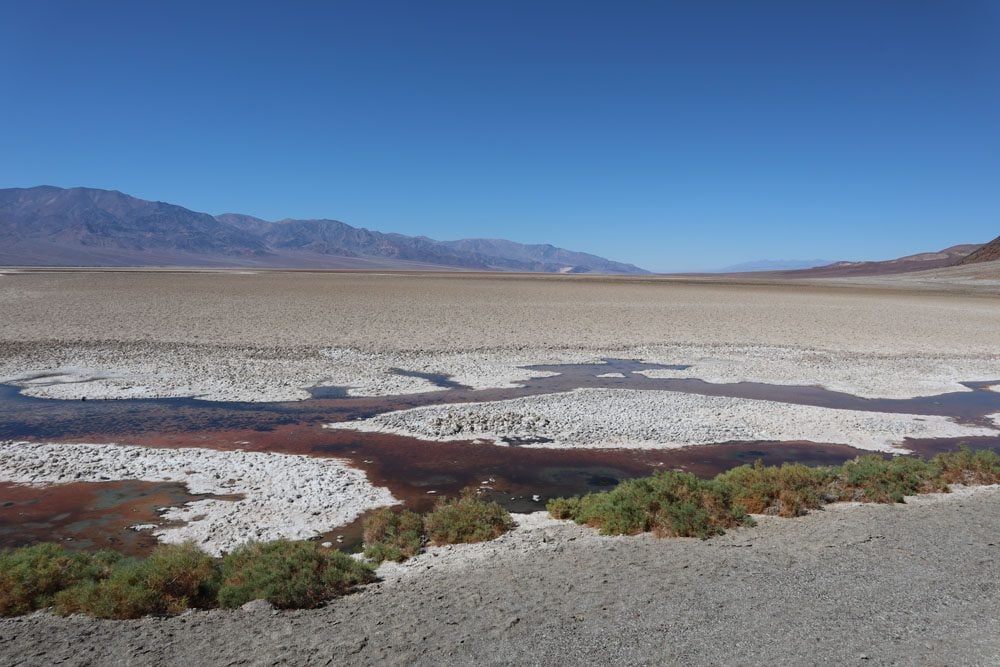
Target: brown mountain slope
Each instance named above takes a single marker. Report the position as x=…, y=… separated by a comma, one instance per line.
x=986, y=253
x=920, y=262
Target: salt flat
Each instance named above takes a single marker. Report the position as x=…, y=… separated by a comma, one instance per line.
x=610, y=418
x=271, y=335
x=447, y=312
x=905, y=584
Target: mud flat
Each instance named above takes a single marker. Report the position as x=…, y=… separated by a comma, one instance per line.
x=658, y=419
x=280, y=495
x=873, y=584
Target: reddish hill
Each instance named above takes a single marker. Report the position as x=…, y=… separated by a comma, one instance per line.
x=987, y=253
x=920, y=262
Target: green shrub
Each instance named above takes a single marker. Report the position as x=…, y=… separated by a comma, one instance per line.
x=288, y=574
x=667, y=503
x=874, y=479
x=173, y=578
x=393, y=535
x=466, y=519
x=969, y=467
x=789, y=490
x=671, y=503
x=30, y=577
x=563, y=508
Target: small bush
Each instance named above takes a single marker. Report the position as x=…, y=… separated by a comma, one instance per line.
x=563, y=508
x=288, y=574
x=466, y=519
x=789, y=490
x=969, y=467
x=393, y=535
x=172, y=579
x=667, y=503
x=874, y=479
x=30, y=577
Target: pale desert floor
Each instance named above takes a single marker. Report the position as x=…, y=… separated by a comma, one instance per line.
x=267, y=336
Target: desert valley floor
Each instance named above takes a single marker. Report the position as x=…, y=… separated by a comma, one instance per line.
x=224, y=406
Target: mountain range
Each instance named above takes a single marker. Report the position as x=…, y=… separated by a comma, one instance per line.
x=51, y=226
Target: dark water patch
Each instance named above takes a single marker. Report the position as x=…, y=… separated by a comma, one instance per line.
x=515, y=441
x=927, y=448
x=437, y=379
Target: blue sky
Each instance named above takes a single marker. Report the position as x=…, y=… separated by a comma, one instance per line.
x=677, y=136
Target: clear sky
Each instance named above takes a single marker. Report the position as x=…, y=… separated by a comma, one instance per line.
x=676, y=136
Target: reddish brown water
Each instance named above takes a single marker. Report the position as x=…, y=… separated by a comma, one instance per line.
x=88, y=515
x=418, y=472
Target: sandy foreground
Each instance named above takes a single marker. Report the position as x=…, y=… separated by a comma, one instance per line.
x=913, y=584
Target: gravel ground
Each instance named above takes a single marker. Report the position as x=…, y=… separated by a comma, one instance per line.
x=913, y=584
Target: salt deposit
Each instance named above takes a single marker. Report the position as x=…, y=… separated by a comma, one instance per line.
x=283, y=495
x=659, y=419
x=226, y=373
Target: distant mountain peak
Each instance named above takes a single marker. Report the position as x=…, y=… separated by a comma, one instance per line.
x=47, y=225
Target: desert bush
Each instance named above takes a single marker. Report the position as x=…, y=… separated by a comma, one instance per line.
x=466, y=519
x=563, y=508
x=173, y=578
x=787, y=490
x=288, y=574
x=874, y=479
x=30, y=577
x=667, y=503
x=393, y=535
x=967, y=466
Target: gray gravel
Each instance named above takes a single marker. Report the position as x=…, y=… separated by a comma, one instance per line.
x=914, y=584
